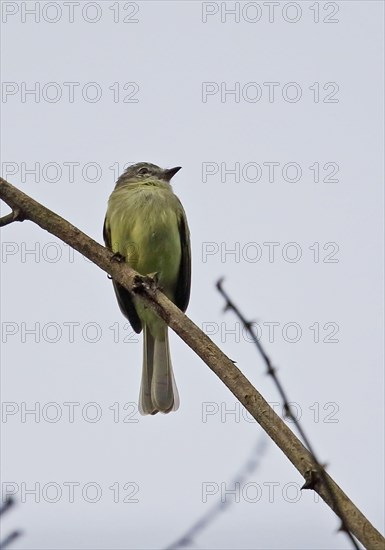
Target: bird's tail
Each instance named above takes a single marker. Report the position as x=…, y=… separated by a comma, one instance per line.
x=158, y=391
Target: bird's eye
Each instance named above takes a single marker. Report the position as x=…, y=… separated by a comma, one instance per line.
x=143, y=171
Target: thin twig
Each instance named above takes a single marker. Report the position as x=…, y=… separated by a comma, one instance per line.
x=9, y=539
x=244, y=473
x=14, y=216
x=8, y=504
x=318, y=474
x=201, y=344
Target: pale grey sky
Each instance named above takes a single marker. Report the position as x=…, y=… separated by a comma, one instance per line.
x=294, y=106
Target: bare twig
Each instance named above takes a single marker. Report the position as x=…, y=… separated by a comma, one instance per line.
x=199, y=342
x=14, y=216
x=313, y=476
x=9, y=539
x=8, y=503
x=244, y=473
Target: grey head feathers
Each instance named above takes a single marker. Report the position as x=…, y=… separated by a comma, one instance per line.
x=145, y=171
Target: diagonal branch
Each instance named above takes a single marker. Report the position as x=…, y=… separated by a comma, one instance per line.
x=199, y=342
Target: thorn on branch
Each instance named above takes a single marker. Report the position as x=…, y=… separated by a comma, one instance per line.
x=287, y=412
x=270, y=370
x=219, y=283
x=312, y=477
x=15, y=216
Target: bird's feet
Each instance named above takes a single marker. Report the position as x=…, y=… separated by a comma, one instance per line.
x=153, y=278
x=117, y=257
x=149, y=282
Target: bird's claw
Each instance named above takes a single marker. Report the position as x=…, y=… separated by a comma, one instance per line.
x=118, y=257
x=150, y=281
x=153, y=278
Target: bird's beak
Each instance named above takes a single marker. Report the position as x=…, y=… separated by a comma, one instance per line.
x=170, y=172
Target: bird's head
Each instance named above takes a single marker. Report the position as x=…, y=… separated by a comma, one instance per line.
x=146, y=172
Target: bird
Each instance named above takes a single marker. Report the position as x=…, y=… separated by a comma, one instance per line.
x=146, y=226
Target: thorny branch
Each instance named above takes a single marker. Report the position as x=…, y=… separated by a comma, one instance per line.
x=318, y=475
x=201, y=344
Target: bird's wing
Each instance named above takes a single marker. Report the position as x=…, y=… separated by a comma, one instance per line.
x=124, y=298
x=182, y=294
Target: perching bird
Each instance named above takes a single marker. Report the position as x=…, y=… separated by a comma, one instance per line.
x=146, y=225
